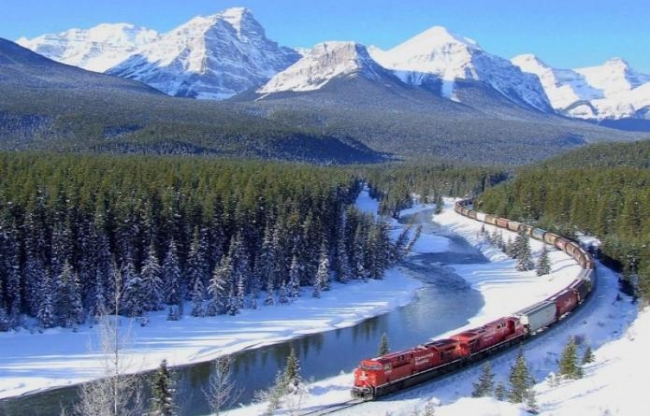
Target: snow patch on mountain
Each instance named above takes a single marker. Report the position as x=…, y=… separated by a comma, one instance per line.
x=209, y=57
x=609, y=91
x=438, y=54
x=322, y=64
x=95, y=49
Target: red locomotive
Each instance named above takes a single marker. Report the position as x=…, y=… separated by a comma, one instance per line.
x=395, y=371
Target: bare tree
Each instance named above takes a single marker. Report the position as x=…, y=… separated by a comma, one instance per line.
x=222, y=389
x=118, y=393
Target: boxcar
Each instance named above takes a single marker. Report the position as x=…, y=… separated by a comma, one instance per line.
x=526, y=229
x=538, y=316
x=565, y=301
x=550, y=238
x=538, y=234
x=561, y=243
x=582, y=288
x=472, y=214
x=571, y=248
x=514, y=226
x=481, y=216
x=491, y=219
x=502, y=222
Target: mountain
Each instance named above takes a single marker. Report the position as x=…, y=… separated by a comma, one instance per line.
x=213, y=57
x=322, y=64
x=451, y=63
x=96, y=49
x=612, y=91
x=45, y=105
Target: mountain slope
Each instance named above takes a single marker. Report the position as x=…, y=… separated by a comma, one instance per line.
x=323, y=63
x=96, y=49
x=438, y=55
x=213, y=57
x=45, y=105
x=611, y=91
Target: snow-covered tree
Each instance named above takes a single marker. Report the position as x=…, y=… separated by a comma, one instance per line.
x=588, y=356
x=322, y=281
x=522, y=252
x=152, y=283
x=68, y=306
x=543, y=263
x=172, y=275
x=198, y=298
x=294, y=278
x=133, y=297
x=219, y=287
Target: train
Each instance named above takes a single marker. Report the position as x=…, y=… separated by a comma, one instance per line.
x=398, y=370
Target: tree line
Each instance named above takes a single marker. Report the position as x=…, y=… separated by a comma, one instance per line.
x=218, y=235
x=612, y=204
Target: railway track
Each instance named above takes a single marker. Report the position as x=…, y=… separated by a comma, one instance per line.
x=333, y=408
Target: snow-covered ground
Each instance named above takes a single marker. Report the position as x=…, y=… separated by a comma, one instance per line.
x=32, y=362
x=612, y=385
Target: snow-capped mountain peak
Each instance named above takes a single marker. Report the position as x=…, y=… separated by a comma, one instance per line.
x=323, y=63
x=212, y=57
x=94, y=49
x=611, y=90
x=438, y=53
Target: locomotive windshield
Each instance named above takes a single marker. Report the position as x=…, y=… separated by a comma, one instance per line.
x=370, y=366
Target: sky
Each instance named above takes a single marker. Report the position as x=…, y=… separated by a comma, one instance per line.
x=563, y=33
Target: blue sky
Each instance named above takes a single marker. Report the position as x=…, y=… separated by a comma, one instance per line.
x=564, y=33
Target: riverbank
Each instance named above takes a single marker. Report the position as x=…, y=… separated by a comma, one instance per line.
x=32, y=361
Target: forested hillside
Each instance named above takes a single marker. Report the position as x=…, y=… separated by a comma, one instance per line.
x=603, y=190
x=77, y=233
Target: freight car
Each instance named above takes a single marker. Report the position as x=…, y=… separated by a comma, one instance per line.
x=398, y=370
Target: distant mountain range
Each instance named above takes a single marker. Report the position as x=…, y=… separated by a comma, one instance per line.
x=221, y=56
x=435, y=96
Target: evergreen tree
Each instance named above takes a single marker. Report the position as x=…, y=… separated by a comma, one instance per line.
x=343, y=272
x=485, y=384
x=162, y=390
x=522, y=252
x=294, y=279
x=520, y=379
x=283, y=297
x=569, y=365
x=291, y=375
x=172, y=275
x=68, y=306
x=543, y=263
x=198, y=297
x=46, y=314
x=133, y=297
x=588, y=356
x=321, y=281
x=500, y=392
x=152, y=283
x=219, y=288
x=270, y=292
x=439, y=203
x=384, y=347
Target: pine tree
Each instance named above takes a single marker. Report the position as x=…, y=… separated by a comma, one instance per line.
x=485, y=383
x=46, y=314
x=522, y=249
x=500, y=392
x=198, y=297
x=384, y=347
x=162, y=390
x=172, y=275
x=219, y=287
x=152, y=283
x=588, y=356
x=294, y=279
x=520, y=379
x=270, y=292
x=439, y=204
x=543, y=263
x=321, y=281
x=68, y=306
x=569, y=366
x=134, y=297
x=343, y=273
x=291, y=375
